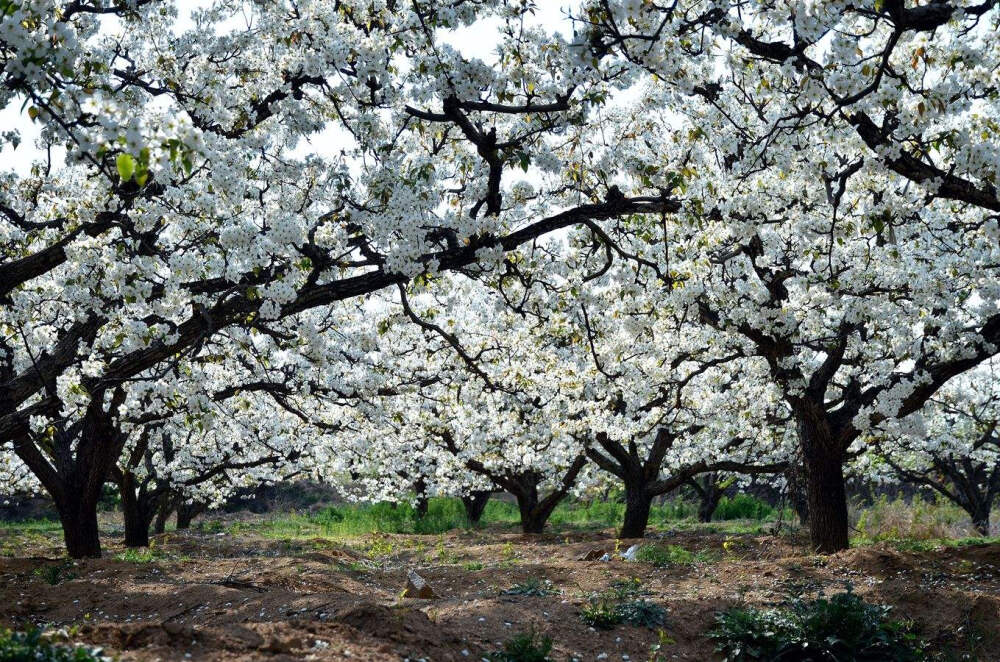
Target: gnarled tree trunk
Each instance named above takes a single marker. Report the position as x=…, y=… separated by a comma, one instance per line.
x=827, y=491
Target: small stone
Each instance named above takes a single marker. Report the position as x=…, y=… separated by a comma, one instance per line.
x=417, y=587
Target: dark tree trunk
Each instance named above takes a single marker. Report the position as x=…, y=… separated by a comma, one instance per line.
x=137, y=519
x=79, y=524
x=422, y=503
x=980, y=514
x=475, y=503
x=824, y=458
x=532, y=517
x=163, y=509
x=709, y=501
x=186, y=512
x=638, y=502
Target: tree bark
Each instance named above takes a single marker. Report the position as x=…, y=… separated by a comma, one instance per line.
x=186, y=512
x=137, y=520
x=78, y=517
x=532, y=517
x=638, y=502
x=709, y=502
x=827, y=492
x=475, y=503
x=980, y=518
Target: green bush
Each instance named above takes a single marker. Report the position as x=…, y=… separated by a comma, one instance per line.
x=843, y=628
x=743, y=506
x=31, y=646
x=524, y=647
x=666, y=555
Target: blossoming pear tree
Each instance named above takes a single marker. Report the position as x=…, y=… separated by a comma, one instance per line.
x=188, y=197
x=951, y=446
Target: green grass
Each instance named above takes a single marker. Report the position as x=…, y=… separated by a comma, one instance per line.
x=32, y=526
x=663, y=556
x=446, y=514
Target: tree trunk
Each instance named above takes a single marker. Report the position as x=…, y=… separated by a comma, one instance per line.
x=828, y=523
x=710, y=498
x=137, y=521
x=980, y=515
x=186, y=512
x=78, y=517
x=163, y=510
x=532, y=518
x=475, y=503
x=638, y=502
x=422, y=502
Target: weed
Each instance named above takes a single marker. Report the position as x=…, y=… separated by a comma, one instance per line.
x=55, y=574
x=524, y=647
x=843, y=627
x=622, y=603
x=534, y=586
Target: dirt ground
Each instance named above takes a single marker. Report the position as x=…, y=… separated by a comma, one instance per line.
x=215, y=596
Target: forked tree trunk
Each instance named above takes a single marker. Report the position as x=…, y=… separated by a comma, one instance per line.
x=186, y=512
x=638, y=502
x=475, y=503
x=824, y=459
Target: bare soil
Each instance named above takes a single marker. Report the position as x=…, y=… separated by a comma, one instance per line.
x=209, y=596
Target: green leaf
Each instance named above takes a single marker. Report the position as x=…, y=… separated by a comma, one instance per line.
x=126, y=166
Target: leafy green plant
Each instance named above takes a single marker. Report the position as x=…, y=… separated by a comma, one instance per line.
x=55, y=574
x=622, y=603
x=844, y=628
x=524, y=647
x=473, y=566
x=32, y=646
x=138, y=554
x=533, y=586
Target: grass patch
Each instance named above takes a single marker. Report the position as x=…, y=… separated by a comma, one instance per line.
x=914, y=519
x=843, y=627
x=43, y=525
x=663, y=556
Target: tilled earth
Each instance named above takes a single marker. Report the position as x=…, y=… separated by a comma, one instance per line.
x=206, y=596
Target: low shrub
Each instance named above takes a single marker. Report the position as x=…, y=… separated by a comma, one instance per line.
x=844, y=628
x=534, y=586
x=31, y=646
x=622, y=603
x=524, y=647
